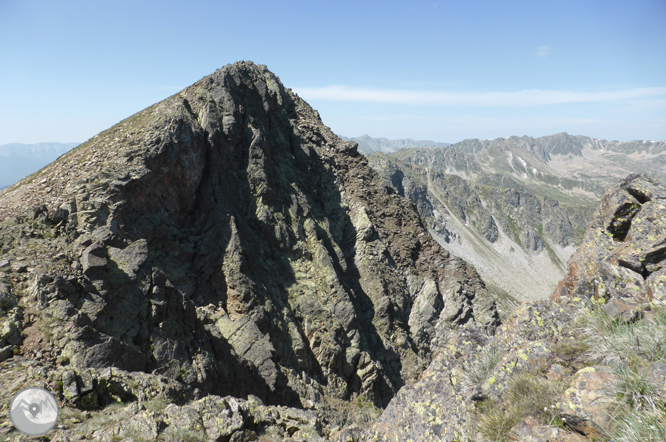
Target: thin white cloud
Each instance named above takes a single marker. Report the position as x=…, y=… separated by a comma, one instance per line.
x=543, y=51
x=398, y=118
x=474, y=99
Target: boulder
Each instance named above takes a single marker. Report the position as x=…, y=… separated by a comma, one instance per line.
x=621, y=260
x=585, y=404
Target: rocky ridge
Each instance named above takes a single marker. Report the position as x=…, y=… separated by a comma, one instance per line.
x=587, y=365
x=621, y=259
x=517, y=232
x=598, y=163
x=223, y=250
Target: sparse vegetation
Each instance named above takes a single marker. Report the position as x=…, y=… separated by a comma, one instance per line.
x=494, y=422
x=158, y=403
x=526, y=395
x=618, y=343
x=534, y=396
x=632, y=425
x=46, y=325
x=134, y=435
x=474, y=375
x=71, y=416
x=571, y=351
x=631, y=349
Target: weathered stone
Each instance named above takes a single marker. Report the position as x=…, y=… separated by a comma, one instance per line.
x=93, y=258
x=9, y=332
x=7, y=299
x=625, y=311
x=130, y=259
x=70, y=386
x=556, y=372
x=142, y=426
x=585, y=405
x=622, y=249
x=530, y=430
x=221, y=417
x=93, y=349
x=6, y=353
x=19, y=267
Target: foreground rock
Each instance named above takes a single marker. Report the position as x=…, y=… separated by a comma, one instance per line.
x=622, y=260
x=583, y=366
x=225, y=243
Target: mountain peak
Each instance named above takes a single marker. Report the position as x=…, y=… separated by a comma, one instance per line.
x=227, y=240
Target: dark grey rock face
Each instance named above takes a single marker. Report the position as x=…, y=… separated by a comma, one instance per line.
x=227, y=240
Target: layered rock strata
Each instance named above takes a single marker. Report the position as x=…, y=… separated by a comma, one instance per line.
x=226, y=240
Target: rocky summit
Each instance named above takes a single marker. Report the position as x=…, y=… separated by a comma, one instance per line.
x=221, y=266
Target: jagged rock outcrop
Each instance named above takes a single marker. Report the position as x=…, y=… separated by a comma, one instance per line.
x=621, y=262
x=226, y=240
x=586, y=365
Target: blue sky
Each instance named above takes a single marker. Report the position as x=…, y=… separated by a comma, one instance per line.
x=436, y=70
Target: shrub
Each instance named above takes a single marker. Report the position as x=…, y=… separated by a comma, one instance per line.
x=534, y=396
x=494, y=421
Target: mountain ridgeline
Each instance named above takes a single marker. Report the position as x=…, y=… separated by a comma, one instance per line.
x=515, y=207
x=221, y=266
x=368, y=145
x=224, y=242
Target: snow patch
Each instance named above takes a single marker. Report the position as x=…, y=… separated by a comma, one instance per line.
x=522, y=162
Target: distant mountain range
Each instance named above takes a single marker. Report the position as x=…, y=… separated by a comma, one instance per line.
x=368, y=145
x=515, y=207
x=19, y=160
